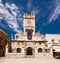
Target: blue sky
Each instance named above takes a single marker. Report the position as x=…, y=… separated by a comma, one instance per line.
x=47, y=14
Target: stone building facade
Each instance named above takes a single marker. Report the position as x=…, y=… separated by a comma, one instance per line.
x=31, y=44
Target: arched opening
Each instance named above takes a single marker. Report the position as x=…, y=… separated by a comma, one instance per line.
x=56, y=54
x=18, y=50
x=47, y=50
x=29, y=51
x=39, y=50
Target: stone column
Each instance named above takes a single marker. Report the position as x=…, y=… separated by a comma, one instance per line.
x=43, y=50
x=51, y=50
x=22, y=52
x=6, y=48
x=36, y=52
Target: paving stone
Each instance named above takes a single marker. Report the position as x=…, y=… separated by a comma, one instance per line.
x=29, y=60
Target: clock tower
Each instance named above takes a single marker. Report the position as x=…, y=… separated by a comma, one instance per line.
x=29, y=24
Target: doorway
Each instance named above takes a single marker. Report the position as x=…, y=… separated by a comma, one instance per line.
x=29, y=51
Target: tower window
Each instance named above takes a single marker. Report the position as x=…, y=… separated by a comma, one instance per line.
x=29, y=34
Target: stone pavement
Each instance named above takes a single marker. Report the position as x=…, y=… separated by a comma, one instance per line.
x=29, y=60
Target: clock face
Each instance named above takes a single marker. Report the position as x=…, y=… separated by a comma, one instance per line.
x=29, y=22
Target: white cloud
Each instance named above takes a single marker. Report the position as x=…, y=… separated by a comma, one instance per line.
x=0, y=1
x=1, y=17
x=29, y=4
x=35, y=11
x=9, y=13
x=55, y=14
x=13, y=8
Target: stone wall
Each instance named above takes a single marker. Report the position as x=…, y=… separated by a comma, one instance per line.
x=39, y=55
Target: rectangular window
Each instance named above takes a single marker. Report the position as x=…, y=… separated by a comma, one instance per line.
x=29, y=34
